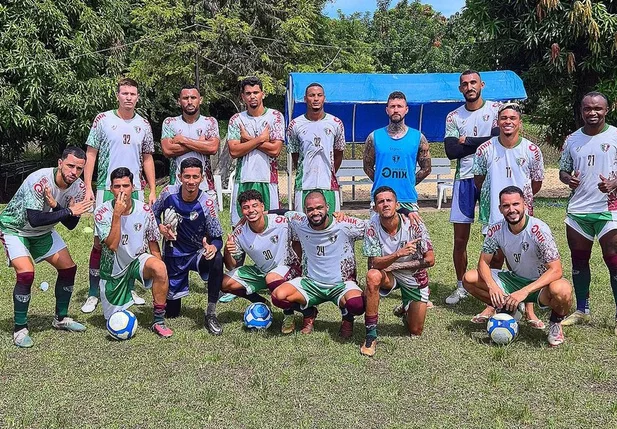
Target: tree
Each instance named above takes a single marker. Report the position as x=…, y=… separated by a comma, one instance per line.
x=59, y=64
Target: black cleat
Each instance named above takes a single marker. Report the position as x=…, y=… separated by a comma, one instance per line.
x=213, y=325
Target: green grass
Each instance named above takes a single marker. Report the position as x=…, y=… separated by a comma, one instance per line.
x=450, y=377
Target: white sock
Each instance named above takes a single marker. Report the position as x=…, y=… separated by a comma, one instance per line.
x=459, y=284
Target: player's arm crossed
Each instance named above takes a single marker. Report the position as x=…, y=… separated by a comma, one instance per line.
x=424, y=160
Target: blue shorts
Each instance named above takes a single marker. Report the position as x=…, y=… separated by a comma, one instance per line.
x=178, y=269
x=464, y=197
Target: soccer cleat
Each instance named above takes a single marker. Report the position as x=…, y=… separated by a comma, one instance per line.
x=456, y=296
x=22, y=339
x=68, y=324
x=228, y=297
x=555, y=334
x=576, y=318
x=138, y=300
x=162, y=330
x=308, y=322
x=213, y=325
x=90, y=304
x=399, y=310
x=346, y=330
x=369, y=347
x=289, y=324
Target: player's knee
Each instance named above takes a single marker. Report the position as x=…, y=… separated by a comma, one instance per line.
x=25, y=280
x=159, y=270
x=580, y=258
x=355, y=305
x=561, y=290
x=460, y=243
x=274, y=283
x=416, y=331
x=470, y=278
x=611, y=263
x=280, y=302
x=373, y=279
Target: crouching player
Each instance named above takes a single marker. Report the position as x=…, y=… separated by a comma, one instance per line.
x=46, y=197
x=127, y=230
x=531, y=254
x=329, y=263
x=194, y=240
x=399, y=253
x=266, y=239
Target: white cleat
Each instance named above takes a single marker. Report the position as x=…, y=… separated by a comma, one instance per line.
x=458, y=294
x=90, y=304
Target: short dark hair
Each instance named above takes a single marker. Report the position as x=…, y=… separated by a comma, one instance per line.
x=383, y=189
x=512, y=106
x=318, y=192
x=77, y=152
x=188, y=86
x=509, y=190
x=470, y=71
x=311, y=85
x=251, y=81
x=248, y=195
x=127, y=81
x=397, y=95
x=595, y=94
x=191, y=162
x=119, y=173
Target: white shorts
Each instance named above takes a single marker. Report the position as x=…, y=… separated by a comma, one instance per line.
x=464, y=197
x=37, y=248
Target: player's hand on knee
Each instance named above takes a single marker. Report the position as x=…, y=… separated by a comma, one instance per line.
x=497, y=296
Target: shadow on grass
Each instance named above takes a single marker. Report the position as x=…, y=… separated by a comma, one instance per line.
x=530, y=337
x=35, y=324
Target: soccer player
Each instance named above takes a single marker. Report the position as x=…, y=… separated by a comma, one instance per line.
x=130, y=251
x=316, y=143
x=588, y=166
x=47, y=196
x=391, y=154
x=329, y=264
x=399, y=252
x=507, y=160
x=535, y=272
x=120, y=138
x=190, y=135
x=466, y=128
x=194, y=240
x=255, y=138
x=266, y=239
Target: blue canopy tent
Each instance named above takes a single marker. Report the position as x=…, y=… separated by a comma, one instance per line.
x=359, y=99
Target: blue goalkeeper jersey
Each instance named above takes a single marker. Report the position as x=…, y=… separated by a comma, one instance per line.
x=197, y=219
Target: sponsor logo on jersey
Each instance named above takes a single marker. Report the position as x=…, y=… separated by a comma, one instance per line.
x=520, y=161
x=493, y=230
x=199, y=132
x=396, y=158
x=394, y=173
x=274, y=239
x=333, y=238
x=525, y=246
x=535, y=231
x=194, y=215
x=605, y=147
x=137, y=227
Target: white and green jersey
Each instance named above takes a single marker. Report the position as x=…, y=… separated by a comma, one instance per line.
x=31, y=195
x=204, y=128
x=463, y=122
x=316, y=142
x=527, y=252
x=270, y=248
x=327, y=255
x=137, y=230
x=502, y=167
x=120, y=143
x=378, y=242
x=256, y=166
x=590, y=157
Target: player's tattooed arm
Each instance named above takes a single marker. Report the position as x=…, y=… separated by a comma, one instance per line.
x=424, y=160
x=368, y=159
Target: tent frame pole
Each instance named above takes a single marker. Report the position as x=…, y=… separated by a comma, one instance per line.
x=290, y=107
x=353, y=148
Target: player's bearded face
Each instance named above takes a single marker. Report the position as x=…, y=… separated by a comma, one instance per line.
x=315, y=98
x=189, y=101
x=71, y=168
x=252, y=210
x=252, y=96
x=512, y=208
x=316, y=211
x=471, y=87
x=396, y=110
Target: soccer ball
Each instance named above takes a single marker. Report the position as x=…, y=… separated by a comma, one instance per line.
x=257, y=316
x=502, y=328
x=122, y=325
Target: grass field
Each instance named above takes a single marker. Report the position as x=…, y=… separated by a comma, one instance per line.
x=450, y=377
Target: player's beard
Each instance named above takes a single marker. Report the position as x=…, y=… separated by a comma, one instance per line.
x=400, y=119
x=515, y=221
x=473, y=98
x=66, y=178
x=190, y=113
x=323, y=219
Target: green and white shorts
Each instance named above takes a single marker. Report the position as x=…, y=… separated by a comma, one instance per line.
x=409, y=293
x=591, y=225
x=254, y=280
x=333, y=199
x=116, y=292
x=269, y=192
x=37, y=248
x=509, y=282
x=316, y=293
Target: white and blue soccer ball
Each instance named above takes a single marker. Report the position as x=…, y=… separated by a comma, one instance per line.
x=257, y=316
x=502, y=328
x=122, y=325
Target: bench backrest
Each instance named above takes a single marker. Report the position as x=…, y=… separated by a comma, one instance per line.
x=353, y=167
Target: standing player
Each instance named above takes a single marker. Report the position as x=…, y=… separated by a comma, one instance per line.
x=190, y=135
x=507, y=160
x=316, y=142
x=589, y=166
x=329, y=264
x=194, y=244
x=391, y=154
x=120, y=138
x=130, y=251
x=266, y=239
x=535, y=272
x=47, y=196
x=466, y=128
x=399, y=253
x=255, y=138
